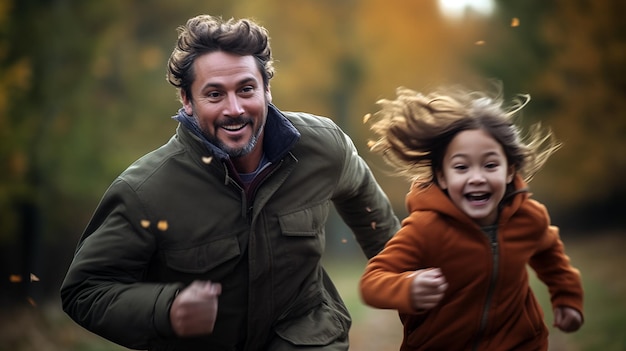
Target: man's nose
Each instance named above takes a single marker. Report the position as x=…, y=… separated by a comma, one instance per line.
x=233, y=107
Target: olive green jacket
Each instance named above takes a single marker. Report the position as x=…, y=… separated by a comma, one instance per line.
x=180, y=214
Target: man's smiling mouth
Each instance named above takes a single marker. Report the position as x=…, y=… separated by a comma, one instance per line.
x=234, y=127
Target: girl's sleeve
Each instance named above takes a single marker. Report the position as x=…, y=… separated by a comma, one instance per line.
x=386, y=282
x=553, y=268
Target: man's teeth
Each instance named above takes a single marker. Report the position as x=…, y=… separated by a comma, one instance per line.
x=234, y=127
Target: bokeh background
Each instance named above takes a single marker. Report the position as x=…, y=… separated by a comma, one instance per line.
x=83, y=94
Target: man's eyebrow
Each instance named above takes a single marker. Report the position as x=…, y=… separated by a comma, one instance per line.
x=243, y=81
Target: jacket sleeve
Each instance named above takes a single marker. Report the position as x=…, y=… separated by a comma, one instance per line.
x=386, y=282
x=362, y=203
x=553, y=268
x=104, y=289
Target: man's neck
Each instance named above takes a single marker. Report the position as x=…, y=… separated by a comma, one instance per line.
x=250, y=162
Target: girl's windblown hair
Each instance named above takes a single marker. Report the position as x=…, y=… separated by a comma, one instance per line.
x=414, y=130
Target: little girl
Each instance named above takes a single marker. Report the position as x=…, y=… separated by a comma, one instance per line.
x=457, y=269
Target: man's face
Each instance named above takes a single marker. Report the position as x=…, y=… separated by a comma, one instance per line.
x=229, y=101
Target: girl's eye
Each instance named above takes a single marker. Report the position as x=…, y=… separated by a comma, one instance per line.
x=459, y=167
x=491, y=165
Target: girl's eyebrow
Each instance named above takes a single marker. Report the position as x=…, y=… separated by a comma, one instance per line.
x=486, y=154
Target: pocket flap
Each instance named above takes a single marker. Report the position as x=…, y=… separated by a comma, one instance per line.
x=319, y=327
x=202, y=258
x=306, y=222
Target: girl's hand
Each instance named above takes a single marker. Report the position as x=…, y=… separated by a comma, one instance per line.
x=428, y=288
x=567, y=319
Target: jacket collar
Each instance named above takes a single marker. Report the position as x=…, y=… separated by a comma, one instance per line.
x=280, y=134
x=432, y=198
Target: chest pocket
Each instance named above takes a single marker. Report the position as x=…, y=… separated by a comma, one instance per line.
x=305, y=222
x=214, y=255
x=302, y=236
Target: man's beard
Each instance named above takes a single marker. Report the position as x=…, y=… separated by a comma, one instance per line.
x=240, y=151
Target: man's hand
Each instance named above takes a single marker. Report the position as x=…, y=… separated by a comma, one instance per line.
x=194, y=309
x=428, y=288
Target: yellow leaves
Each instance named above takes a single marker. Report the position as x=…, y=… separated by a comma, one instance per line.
x=18, y=76
x=18, y=164
x=162, y=225
x=514, y=23
x=151, y=57
x=15, y=77
x=16, y=278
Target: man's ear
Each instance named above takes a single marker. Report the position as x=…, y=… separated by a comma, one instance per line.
x=268, y=95
x=187, y=103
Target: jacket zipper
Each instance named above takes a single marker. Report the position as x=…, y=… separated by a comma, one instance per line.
x=493, y=241
x=250, y=192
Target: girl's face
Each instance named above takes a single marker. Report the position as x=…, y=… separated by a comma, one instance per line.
x=475, y=172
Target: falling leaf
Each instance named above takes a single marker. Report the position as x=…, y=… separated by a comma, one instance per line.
x=367, y=118
x=15, y=278
x=480, y=42
x=207, y=159
x=370, y=143
x=515, y=22
x=162, y=225
x=343, y=241
x=31, y=301
x=34, y=278
x=145, y=223
x=373, y=224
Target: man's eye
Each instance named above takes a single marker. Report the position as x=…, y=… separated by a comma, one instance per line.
x=213, y=95
x=247, y=90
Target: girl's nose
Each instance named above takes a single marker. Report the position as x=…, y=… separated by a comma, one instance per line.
x=476, y=177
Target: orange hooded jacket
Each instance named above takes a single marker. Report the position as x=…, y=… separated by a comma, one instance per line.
x=488, y=304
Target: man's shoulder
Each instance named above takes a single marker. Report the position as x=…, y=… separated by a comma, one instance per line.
x=152, y=163
x=303, y=120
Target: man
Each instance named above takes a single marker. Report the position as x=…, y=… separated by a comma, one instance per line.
x=214, y=240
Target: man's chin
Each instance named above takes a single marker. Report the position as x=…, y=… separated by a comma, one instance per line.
x=235, y=152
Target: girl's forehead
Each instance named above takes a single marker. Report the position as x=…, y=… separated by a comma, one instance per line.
x=474, y=142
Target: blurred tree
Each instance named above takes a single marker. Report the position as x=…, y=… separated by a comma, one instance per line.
x=43, y=65
x=569, y=55
x=82, y=94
